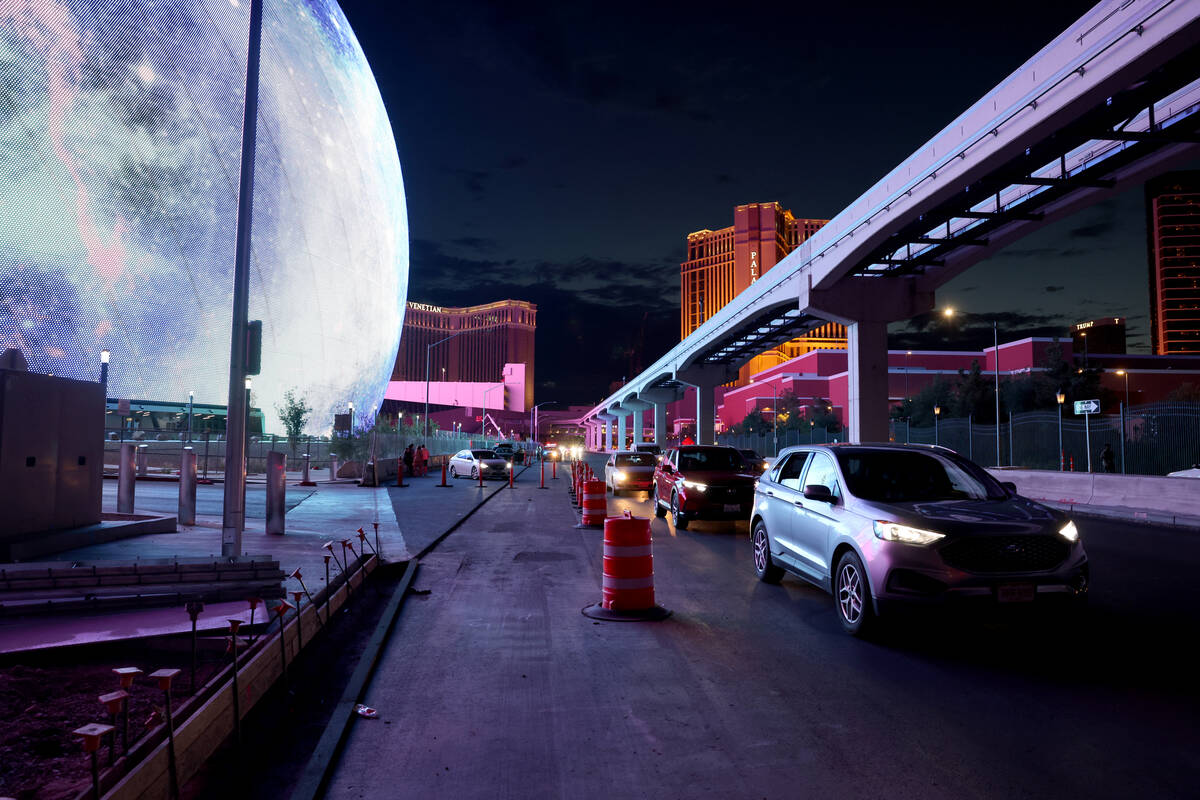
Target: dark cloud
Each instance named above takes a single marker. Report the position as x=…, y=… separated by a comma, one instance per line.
x=475, y=243
x=1052, y=289
x=964, y=331
x=723, y=177
x=1090, y=231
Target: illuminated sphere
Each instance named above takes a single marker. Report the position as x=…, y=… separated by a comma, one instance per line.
x=120, y=139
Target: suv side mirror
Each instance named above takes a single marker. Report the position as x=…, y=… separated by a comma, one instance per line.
x=1010, y=486
x=819, y=492
x=666, y=467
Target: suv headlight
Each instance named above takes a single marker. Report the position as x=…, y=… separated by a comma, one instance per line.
x=699, y=487
x=1069, y=532
x=895, y=532
x=618, y=474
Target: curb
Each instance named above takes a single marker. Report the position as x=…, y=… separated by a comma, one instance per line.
x=320, y=765
x=1161, y=518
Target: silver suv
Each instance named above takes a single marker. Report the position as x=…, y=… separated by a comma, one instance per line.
x=882, y=525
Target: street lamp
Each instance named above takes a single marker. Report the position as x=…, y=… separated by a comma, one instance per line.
x=191, y=397
x=351, y=405
x=428, y=348
x=937, y=412
x=1124, y=411
x=1061, y=398
x=949, y=312
x=486, y=392
x=104, y=371
x=533, y=419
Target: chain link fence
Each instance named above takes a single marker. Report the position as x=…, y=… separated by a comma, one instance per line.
x=1157, y=438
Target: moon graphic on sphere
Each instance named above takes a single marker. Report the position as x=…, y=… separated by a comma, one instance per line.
x=120, y=144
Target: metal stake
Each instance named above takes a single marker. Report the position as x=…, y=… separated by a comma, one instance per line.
x=234, y=624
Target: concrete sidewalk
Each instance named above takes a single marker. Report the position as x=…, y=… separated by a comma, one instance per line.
x=330, y=511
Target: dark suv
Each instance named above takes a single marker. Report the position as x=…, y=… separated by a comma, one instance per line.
x=510, y=452
x=703, y=482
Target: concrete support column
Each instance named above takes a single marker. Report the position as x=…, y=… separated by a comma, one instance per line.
x=705, y=414
x=867, y=415
x=660, y=423
x=622, y=432
x=607, y=436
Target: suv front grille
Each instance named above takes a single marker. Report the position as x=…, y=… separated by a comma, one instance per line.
x=1006, y=553
x=730, y=494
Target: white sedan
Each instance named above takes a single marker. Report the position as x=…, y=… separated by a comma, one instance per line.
x=627, y=471
x=1194, y=472
x=472, y=462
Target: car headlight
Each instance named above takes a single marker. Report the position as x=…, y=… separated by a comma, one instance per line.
x=699, y=487
x=482, y=467
x=1069, y=532
x=509, y=466
x=895, y=532
x=619, y=475
x=766, y=466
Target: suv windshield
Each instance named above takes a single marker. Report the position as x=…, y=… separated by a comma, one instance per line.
x=716, y=458
x=637, y=460
x=479, y=454
x=890, y=476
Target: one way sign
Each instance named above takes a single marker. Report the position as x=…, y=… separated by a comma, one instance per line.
x=1087, y=406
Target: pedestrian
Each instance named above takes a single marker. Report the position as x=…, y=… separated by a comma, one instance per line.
x=1106, y=459
x=408, y=460
x=420, y=460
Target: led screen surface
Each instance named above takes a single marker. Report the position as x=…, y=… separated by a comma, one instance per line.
x=120, y=140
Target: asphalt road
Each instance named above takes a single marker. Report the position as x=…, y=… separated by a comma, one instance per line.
x=496, y=686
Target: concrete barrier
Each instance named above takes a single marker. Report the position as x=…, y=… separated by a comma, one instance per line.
x=1147, y=497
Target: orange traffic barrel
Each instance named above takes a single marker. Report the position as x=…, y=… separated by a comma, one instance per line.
x=628, y=582
x=595, y=503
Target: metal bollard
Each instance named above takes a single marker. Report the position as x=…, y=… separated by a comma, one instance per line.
x=143, y=460
x=194, y=607
x=333, y=467
x=125, y=479
x=187, y=487
x=307, y=479
x=276, y=492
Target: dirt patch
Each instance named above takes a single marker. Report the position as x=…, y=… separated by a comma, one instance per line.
x=46, y=696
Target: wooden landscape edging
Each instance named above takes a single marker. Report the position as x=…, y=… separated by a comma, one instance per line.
x=199, y=736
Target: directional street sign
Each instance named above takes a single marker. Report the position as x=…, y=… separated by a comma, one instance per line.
x=1087, y=406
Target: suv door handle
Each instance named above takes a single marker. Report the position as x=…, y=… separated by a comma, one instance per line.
x=770, y=493
x=798, y=503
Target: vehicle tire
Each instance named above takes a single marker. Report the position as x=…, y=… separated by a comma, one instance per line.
x=453, y=472
x=474, y=473
x=852, y=596
x=678, y=518
x=659, y=511
x=766, y=570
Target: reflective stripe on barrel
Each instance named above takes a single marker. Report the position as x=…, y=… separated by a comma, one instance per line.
x=628, y=583
x=595, y=502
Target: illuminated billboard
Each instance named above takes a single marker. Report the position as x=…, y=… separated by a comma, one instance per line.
x=120, y=137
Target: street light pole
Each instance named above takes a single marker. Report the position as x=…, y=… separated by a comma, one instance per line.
x=104, y=372
x=1061, y=399
x=1124, y=411
x=937, y=412
x=428, y=348
x=191, y=398
x=233, y=520
x=996, y=347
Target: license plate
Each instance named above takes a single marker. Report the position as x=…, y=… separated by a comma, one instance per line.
x=1015, y=593
x=732, y=507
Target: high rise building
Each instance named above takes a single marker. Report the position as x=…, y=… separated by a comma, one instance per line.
x=1104, y=335
x=1173, y=229
x=721, y=264
x=488, y=337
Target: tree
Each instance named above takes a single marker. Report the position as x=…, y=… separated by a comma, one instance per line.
x=294, y=411
x=1184, y=393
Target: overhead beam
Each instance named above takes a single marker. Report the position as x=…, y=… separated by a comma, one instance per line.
x=1089, y=183
x=1160, y=137
x=1001, y=215
x=944, y=240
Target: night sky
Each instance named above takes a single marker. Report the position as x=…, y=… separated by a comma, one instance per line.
x=561, y=153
